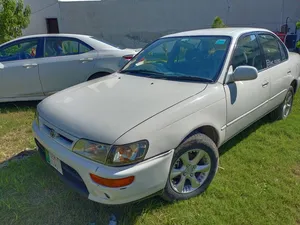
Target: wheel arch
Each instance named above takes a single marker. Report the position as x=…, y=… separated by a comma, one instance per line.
x=295, y=85
x=208, y=130
x=99, y=74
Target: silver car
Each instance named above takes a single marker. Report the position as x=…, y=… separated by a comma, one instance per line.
x=157, y=124
x=33, y=67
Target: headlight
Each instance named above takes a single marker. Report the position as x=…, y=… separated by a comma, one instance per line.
x=112, y=155
x=127, y=154
x=91, y=150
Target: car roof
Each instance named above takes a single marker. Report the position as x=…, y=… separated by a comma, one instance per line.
x=52, y=35
x=96, y=44
x=232, y=32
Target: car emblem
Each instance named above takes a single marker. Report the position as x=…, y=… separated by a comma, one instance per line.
x=53, y=134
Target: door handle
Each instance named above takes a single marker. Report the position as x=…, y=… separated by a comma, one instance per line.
x=265, y=84
x=27, y=66
x=86, y=60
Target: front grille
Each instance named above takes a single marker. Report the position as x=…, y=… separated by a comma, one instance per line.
x=70, y=176
x=57, y=135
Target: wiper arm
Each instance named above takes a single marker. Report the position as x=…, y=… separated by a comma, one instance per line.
x=191, y=78
x=150, y=72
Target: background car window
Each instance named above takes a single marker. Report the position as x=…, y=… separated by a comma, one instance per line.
x=248, y=53
x=84, y=48
x=19, y=51
x=271, y=49
x=63, y=47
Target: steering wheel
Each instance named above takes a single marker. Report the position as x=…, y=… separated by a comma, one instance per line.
x=25, y=55
x=159, y=67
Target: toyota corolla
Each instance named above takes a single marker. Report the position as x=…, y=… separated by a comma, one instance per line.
x=155, y=126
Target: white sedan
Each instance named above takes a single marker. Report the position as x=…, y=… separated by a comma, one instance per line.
x=33, y=67
x=155, y=126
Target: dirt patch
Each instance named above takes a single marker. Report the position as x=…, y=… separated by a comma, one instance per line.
x=296, y=171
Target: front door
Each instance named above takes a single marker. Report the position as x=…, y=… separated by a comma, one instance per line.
x=19, y=72
x=66, y=62
x=247, y=101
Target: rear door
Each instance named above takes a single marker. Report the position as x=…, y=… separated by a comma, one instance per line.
x=19, y=72
x=278, y=68
x=67, y=61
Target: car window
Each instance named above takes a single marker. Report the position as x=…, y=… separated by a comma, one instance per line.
x=182, y=58
x=64, y=46
x=271, y=49
x=25, y=49
x=283, y=51
x=247, y=53
x=84, y=48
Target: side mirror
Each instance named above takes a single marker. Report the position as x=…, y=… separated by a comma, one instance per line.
x=243, y=73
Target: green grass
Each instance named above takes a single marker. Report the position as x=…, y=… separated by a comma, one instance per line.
x=258, y=182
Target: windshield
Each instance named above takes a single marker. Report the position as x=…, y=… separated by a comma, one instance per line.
x=181, y=58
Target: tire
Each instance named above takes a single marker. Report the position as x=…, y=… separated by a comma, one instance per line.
x=98, y=75
x=280, y=112
x=210, y=156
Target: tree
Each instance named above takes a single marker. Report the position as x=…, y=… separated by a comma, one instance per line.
x=298, y=42
x=218, y=23
x=14, y=17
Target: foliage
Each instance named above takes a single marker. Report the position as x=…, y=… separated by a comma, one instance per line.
x=298, y=25
x=298, y=44
x=218, y=23
x=14, y=17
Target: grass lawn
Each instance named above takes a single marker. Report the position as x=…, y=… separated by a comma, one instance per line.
x=258, y=182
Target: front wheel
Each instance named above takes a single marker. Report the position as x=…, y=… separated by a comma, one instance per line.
x=193, y=168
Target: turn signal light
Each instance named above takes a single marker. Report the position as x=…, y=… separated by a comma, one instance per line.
x=112, y=183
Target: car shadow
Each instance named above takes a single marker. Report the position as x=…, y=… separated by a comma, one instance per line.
x=244, y=134
x=129, y=213
x=8, y=107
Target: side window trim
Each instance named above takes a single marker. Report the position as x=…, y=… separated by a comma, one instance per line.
x=255, y=33
x=86, y=45
x=38, y=48
x=277, y=39
x=261, y=52
x=69, y=39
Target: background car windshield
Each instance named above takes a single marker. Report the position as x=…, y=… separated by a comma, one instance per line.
x=199, y=56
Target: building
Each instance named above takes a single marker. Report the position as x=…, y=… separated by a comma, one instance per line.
x=134, y=23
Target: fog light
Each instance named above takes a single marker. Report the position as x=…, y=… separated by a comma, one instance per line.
x=113, y=183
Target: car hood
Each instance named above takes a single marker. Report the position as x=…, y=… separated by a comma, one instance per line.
x=106, y=108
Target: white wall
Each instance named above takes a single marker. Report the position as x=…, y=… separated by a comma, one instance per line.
x=134, y=23
x=41, y=9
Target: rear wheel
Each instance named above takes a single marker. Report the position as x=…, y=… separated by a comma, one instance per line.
x=98, y=75
x=193, y=168
x=285, y=108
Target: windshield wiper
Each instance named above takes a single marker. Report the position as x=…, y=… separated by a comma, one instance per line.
x=190, y=78
x=147, y=72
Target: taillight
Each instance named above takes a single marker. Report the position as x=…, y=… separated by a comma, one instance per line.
x=128, y=57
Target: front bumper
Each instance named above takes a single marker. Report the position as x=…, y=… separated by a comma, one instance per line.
x=150, y=175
